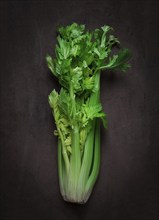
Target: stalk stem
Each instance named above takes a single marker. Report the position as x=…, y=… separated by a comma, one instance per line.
x=64, y=153
x=96, y=163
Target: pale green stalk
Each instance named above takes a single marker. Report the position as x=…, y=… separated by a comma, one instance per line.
x=96, y=163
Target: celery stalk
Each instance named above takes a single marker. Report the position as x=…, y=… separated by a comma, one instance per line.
x=81, y=55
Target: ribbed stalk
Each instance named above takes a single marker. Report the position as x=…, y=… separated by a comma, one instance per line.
x=75, y=158
x=75, y=164
x=86, y=163
x=96, y=163
x=60, y=168
x=95, y=96
x=63, y=173
x=63, y=150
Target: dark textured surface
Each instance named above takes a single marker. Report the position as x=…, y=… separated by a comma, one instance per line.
x=128, y=184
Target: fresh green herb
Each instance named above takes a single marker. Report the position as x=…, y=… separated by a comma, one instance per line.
x=77, y=110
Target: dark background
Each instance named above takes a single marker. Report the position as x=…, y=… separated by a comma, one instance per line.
x=127, y=187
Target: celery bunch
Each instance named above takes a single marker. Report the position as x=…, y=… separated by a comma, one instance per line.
x=77, y=110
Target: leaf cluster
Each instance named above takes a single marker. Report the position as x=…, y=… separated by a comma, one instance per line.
x=80, y=55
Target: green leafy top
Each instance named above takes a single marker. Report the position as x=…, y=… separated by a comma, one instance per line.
x=79, y=53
